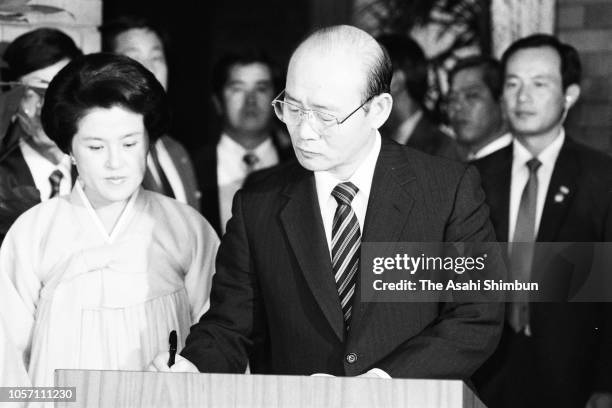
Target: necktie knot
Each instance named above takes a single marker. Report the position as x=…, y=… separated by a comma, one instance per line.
x=533, y=165
x=250, y=159
x=345, y=192
x=55, y=179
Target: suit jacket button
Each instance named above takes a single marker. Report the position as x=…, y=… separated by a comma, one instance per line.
x=351, y=358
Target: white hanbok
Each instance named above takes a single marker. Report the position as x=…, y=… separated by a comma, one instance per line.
x=74, y=296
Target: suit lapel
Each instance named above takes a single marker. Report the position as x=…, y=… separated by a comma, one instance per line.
x=496, y=172
x=206, y=174
x=389, y=205
x=561, y=189
x=301, y=218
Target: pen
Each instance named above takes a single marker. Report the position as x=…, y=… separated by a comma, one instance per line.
x=172, y=341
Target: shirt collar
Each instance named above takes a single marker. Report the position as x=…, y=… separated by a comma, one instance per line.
x=230, y=145
x=547, y=157
x=492, y=147
x=405, y=130
x=40, y=164
x=362, y=177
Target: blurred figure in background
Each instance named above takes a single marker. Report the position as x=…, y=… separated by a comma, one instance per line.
x=410, y=123
x=474, y=107
x=32, y=167
x=244, y=85
x=169, y=168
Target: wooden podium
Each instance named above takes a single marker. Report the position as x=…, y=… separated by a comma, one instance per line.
x=145, y=389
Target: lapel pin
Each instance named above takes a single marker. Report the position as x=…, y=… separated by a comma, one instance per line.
x=560, y=196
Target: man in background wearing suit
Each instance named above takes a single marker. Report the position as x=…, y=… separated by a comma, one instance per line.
x=244, y=86
x=546, y=187
x=169, y=168
x=410, y=123
x=286, y=292
x=32, y=167
x=474, y=107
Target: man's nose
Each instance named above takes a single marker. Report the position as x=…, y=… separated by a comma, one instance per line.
x=251, y=98
x=523, y=93
x=304, y=127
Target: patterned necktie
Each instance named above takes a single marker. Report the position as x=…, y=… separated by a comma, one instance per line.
x=251, y=160
x=521, y=256
x=55, y=179
x=346, y=240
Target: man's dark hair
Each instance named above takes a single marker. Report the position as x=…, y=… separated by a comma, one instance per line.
x=221, y=69
x=379, y=75
x=102, y=80
x=571, y=69
x=490, y=68
x=37, y=49
x=408, y=56
x=110, y=30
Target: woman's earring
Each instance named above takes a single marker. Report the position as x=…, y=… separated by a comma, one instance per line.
x=72, y=160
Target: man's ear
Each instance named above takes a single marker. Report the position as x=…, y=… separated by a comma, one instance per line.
x=379, y=110
x=217, y=105
x=572, y=93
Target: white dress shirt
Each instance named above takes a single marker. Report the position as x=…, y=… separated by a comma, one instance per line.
x=491, y=147
x=232, y=170
x=405, y=130
x=362, y=178
x=167, y=165
x=520, y=176
x=41, y=168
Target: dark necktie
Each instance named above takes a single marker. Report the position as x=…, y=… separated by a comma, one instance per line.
x=55, y=179
x=251, y=160
x=346, y=240
x=521, y=256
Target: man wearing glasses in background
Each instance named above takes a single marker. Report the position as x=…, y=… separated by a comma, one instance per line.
x=286, y=296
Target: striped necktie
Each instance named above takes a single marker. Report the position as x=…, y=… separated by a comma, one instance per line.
x=55, y=179
x=346, y=240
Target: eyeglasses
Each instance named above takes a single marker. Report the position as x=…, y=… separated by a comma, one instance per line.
x=293, y=115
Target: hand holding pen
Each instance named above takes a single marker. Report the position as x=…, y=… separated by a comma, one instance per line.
x=170, y=361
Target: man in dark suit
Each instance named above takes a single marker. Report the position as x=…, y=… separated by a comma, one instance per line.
x=286, y=293
x=551, y=354
x=410, y=123
x=169, y=167
x=244, y=84
x=32, y=167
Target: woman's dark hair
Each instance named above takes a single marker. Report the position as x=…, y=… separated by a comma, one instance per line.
x=102, y=81
x=37, y=49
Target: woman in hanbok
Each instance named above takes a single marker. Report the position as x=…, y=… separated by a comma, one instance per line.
x=98, y=278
